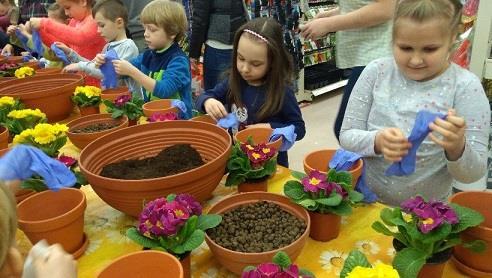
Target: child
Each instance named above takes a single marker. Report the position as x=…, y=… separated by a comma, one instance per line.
x=258, y=90
x=163, y=70
x=9, y=14
x=382, y=108
x=111, y=17
x=57, y=13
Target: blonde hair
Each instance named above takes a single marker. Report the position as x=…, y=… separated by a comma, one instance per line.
x=168, y=15
x=8, y=221
x=424, y=10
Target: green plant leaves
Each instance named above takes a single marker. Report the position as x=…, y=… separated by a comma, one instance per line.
x=408, y=262
x=478, y=246
x=192, y=242
x=36, y=184
x=355, y=258
x=208, y=221
x=333, y=200
x=382, y=229
x=308, y=204
x=467, y=218
x=146, y=242
x=294, y=190
x=282, y=259
x=298, y=175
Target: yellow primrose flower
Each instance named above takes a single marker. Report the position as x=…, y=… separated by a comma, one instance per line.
x=89, y=91
x=379, y=271
x=23, y=72
x=386, y=271
x=23, y=113
x=59, y=128
x=22, y=137
x=43, y=134
x=143, y=120
x=7, y=101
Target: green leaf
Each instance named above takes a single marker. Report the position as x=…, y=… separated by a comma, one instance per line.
x=437, y=234
x=332, y=201
x=331, y=175
x=188, y=228
x=408, y=262
x=208, y=221
x=36, y=184
x=298, y=175
x=117, y=113
x=191, y=243
x=294, y=190
x=234, y=178
x=381, y=228
x=146, y=242
x=344, y=177
x=308, y=204
x=388, y=215
x=478, y=246
x=342, y=209
x=249, y=268
x=170, y=197
x=355, y=258
x=355, y=196
x=306, y=273
x=282, y=259
x=467, y=218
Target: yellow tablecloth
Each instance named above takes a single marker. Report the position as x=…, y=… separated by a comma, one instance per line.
x=106, y=229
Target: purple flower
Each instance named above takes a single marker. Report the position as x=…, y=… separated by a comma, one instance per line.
x=67, y=160
x=314, y=182
x=160, y=218
x=268, y=269
x=429, y=219
x=445, y=211
x=410, y=205
x=187, y=201
x=291, y=271
x=122, y=100
x=162, y=117
x=338, y=189
x=251, y=274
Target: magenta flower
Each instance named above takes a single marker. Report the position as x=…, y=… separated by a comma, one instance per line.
x=291, y=272
x=122, y=100
x=251, y=274
x=268, y=269
x=330, y=186
x=162, y=117
x=160, y=218
x=430, y=214
x=314, y=182
x=429, y=219
x=410, y=205
x=446, y=212
x=67, y=160
x=187, y=201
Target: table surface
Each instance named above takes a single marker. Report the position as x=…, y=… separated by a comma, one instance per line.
x=106, y=229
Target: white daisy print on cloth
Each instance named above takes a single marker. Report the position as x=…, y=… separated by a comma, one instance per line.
x=211, y=273
x=332, y=261
x=200, y=249
x=391, y=252
x=367, y=247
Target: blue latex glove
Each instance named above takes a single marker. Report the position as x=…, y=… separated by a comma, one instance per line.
x=343, y=160
x=60, y=54
x=38, y=43
x=406, y=165
x=110, y=78
x=181, y=106
x=229, y=121
x=23, y=40
x=23, y=161
x=287, y=134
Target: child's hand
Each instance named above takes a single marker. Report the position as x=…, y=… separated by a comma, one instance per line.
x=123, y=67
x=452, y=130
x=11, y=29
x=8, y=50
x=215, y=108
x=63, y=47
x=23, y=28
x=34, y=22
x=55, y=263
x=71, y=68
x=99, y=60
x=392, y=143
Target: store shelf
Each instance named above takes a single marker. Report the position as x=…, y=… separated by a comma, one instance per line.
x=328, y=88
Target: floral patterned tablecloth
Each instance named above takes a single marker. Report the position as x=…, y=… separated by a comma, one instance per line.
x=106, y=228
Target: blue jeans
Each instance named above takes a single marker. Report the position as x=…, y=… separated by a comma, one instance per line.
x=215, y=63
x=354, y=75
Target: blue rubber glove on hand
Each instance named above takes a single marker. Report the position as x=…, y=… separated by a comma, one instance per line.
x=181, y=107
x=229, y=121
x=110, y=78
x=287, y=134
x=23, y=161
x=60, y=54
x=38, y=43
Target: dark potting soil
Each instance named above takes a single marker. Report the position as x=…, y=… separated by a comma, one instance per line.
x=170, y=161
x=96, y=127
x=257, y=227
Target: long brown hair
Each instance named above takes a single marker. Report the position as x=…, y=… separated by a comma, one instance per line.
x=279, y=73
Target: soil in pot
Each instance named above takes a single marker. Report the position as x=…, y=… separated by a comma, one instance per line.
x=257, y=227
x=96, y=127
x=170, y=161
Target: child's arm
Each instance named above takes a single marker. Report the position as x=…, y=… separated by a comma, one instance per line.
x=219, y=94
x=291, y=115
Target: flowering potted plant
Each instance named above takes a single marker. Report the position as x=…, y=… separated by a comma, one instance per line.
x=357, y=266
x=281, y=266
x=158, y=117
x=8, y=104
x=24, y=72
x=174, y=224
x=20, y=120
x=87, y=98
x=326, y=197
x=250, y=166
x=8, y=69
x=424, y=234
x=125, y=105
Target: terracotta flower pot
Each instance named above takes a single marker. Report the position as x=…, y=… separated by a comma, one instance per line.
x=186, y=264
x=111, y=95
x=158, y=106
x=15, y=59
x=57, y=217
x=212, y=142
x=32, y=64
x=236, y=261
x=476, y=262
x=50, y=93
x=324, y=226
x=5, y=79
x=4, y=137
x=88, y=110
x=204, y=118
x=80, y=140
x=150, y=264
x=253, y=185
x=318, y=160
x=45, y=71
x=259, y=135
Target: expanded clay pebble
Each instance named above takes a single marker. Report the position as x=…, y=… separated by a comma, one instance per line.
x=257, y=227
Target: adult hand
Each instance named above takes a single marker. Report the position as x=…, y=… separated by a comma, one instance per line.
x=63, y=47
x=8, y=50
x=99, y=60
x=314, y=29
x=71, y=68
x=123, y=67
x=392, y=143
x=452, y=131
x=34, y=23
x=215, y=108
x=54, y=263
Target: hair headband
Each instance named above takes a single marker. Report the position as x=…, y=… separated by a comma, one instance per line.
x=256, y=35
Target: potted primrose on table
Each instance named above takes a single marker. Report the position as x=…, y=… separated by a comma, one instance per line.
x=87, y=99
x=125, y=105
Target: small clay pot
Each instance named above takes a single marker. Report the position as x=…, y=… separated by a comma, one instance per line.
x=31, y=64
x=236, y=261
x=112, y=95
x=158, y=106
x=4, y=137
x=144, y=264
x=15, y=59
x=259, y=135
x=475, y=262
x=253, y=185
x=186, y=264
x=204, y=118
x=80, y=140
x=57, y=217
x=88, y=110
x=324, y=226
x=319, y=160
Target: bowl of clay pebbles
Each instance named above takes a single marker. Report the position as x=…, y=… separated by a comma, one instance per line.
x=254, y=227
x=86, y=129
x=137, y=164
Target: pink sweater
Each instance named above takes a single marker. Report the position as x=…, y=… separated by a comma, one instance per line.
x=81, y=36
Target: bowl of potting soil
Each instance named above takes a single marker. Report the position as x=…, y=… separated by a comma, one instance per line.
x=86, y=129
x=254, y=227
x=126, y=167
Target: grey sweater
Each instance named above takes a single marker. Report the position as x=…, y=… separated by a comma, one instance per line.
x=383, y=97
